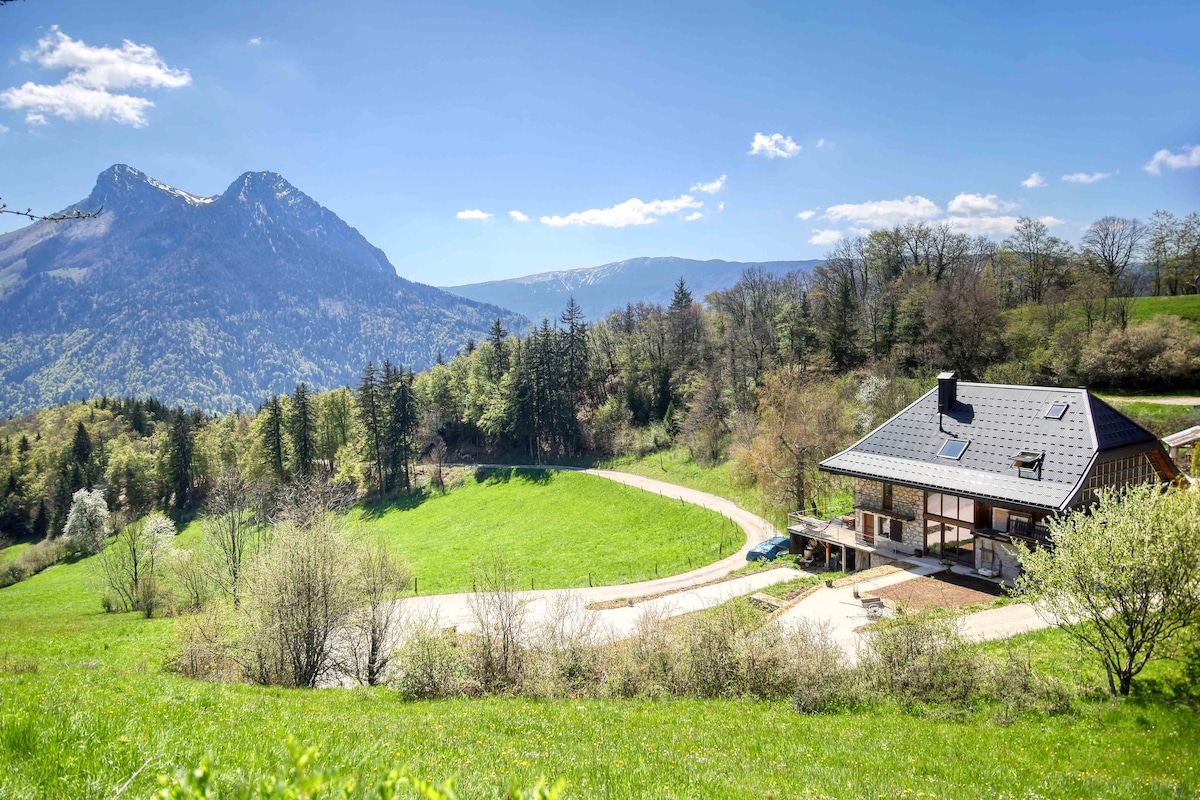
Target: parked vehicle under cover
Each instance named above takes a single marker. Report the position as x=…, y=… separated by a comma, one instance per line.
x=769, y=550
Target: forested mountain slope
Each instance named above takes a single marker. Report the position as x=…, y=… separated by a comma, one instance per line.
x=610, y=287
x=209, y=301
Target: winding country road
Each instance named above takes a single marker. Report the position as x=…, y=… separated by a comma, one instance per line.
x=688, y=591
x=700, y=589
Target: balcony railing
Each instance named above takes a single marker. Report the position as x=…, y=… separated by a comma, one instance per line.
x=836, y=532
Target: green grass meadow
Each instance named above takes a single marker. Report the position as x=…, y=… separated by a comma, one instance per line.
x=555, y=527
x=88, y=699
x=85, y=702
x=1186, y=306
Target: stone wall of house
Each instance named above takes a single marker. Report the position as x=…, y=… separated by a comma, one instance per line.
x=911, y=501
x=904, y=499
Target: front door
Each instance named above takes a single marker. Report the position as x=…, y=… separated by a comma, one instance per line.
x=869, y=528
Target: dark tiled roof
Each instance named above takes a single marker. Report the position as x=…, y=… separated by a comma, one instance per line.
x=999, y=422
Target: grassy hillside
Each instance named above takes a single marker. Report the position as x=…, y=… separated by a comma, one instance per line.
x=1186, y=306
x=85, y=702
x=677, y=466
x=557, y=526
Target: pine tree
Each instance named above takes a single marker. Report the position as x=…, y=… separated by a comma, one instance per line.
x=496, y=336
x=41, y=523
x=272, y=433
x=402, y=422
x=841, y=331
x=681, y=300
x=180, y=445
x=302, y=426
x=81, y=445
x=369, y=414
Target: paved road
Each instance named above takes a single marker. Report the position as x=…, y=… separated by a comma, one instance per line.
x=689, y=592
x=693, y=591
x=844, y=615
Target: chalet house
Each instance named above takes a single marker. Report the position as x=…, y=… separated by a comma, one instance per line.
x=970, y=468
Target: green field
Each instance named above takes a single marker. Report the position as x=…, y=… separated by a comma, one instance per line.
x=676, y=466
x=85, y=702
x=1186, y=306
x=557, y=527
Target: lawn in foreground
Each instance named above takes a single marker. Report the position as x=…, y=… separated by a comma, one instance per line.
x=85, y=702
x=556, y=527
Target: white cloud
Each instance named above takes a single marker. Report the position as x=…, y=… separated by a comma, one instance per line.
x=820, y=142
x=774, y=146
x=825, y=238
x=1085, y=177
x=473, y=213
x=721, y=206
x=92, y=74
x=806, y=215
x=991, y=225
x=692, y=217
x=518, y=216
x=254, y=41
x=1187, y=158
x=977, y=205
x=3, y=129
x=710, y=188
x=1034, y=181
x=885, y=213
x=631, y=212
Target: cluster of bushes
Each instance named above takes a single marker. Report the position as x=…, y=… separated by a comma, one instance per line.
x=721, y=653
x=276, y=638
x=31, y=561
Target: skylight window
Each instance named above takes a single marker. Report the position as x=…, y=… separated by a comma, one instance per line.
x=953, y=448
x=1056, y=411
x=1028, y=459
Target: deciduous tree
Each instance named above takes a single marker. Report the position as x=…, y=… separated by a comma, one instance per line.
x=1122, y=579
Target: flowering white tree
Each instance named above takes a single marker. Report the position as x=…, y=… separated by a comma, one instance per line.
x=1123, y=578
x=134, y=563
x=87, y=522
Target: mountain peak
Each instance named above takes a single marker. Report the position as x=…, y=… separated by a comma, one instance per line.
x=121, y=185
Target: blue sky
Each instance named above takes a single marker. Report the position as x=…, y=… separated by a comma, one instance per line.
x=400, y=116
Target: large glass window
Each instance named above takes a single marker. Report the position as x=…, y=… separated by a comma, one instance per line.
x=950, y=506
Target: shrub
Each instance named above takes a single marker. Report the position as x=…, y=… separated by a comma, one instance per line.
x=377, y=577
x=568, y=650
x=711, y=650
x=429, y=664
x=499, y=620
x=203, y=651
x=1012, y=682
x=297, y=600
x=922, y=658
x=32, y=560
x=823, y=680
x=190, y=578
